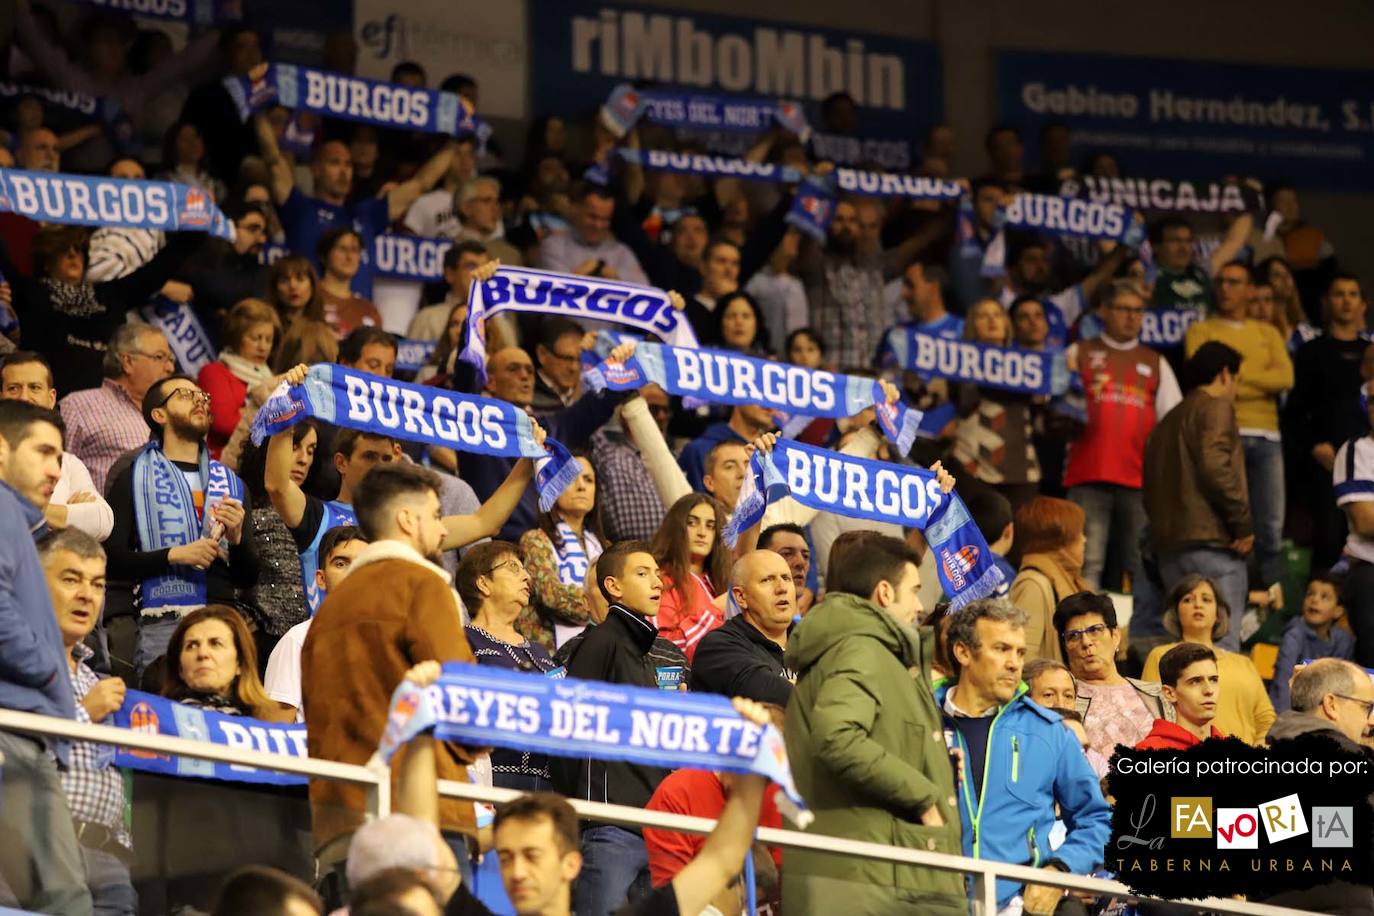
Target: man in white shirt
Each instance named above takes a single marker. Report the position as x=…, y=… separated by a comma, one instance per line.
x=75, y=502
x=283, y=679
x=434, y=214
x=588, y=248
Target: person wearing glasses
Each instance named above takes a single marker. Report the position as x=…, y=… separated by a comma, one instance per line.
x=1115, y=709
x=183, y=525
x=558, y=375
x=495, y=588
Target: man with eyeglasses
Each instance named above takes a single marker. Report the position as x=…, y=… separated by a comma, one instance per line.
x=183, y=524
x=104, y=423
x=1126, y=388
x=223, y=273
x=478, y=202
x=558, y=349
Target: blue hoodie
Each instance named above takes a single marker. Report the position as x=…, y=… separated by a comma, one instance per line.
x=1032, y=762
x=33, y=667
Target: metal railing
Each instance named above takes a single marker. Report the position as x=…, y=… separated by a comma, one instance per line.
x=378, y=786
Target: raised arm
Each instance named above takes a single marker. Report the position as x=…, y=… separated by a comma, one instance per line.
x=278, y=169
x=399, y=198
x=461, y=530
x=1231, y=244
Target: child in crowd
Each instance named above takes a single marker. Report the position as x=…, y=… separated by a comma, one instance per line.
x=1312, y=634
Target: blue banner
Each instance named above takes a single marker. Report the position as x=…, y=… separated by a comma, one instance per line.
x=580, y=50
x=708, y=166
x=1053, y=215
x=411, y=355
x=813, y=207
x=396, y=257
x=86, y=200
x=893, y=184
x=1008, y=368
x=878, y=491
x=1160, y=328
x=151, y=714
x=185, y=334
x=1176, y=118
x=485, y=706
x=699, y=111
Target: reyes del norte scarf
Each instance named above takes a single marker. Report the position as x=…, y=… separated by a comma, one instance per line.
x=626, y=105
x=418, y=413
x=185, y=334
x=1041, y=372
x=165, y=516
x=483, y=706
x=582, y=299
x=353, y=98
x=875, y=490
x=722, y=377
x=146, y=712
x=93, y=200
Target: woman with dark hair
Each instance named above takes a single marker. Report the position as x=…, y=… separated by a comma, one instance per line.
x=806, y=348
x=184, y=161
x=293, y=288
x=738, y=325
x=694, y=564
x=1196, y=612
x=438, y=370
x=1050, y=539
x=558, y=553
x=340, y=251
x=211, y=662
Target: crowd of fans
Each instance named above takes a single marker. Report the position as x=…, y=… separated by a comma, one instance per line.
x=350, y=558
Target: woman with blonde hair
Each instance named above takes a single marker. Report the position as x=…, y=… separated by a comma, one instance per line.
x=1049, y=535
x=252, y=331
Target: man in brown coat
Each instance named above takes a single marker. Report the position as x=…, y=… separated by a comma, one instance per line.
x=1195, y=493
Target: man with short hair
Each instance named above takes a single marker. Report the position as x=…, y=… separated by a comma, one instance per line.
x=478, y=202
x=844, y=285
x=74, y=565
x=39, y=859
x=1019, y=761
x=1126, y=389
x=104, y=423
x=789, y=541
x=338, y=549
x=1190, y=681
x=1184, y=284
x=558, y=351
x=1194, y=492
x=460, y=261
x=1266, y=372
x=75, y=502
x=726, y=465
x=744, y=656
x=746, y=423
x=864, y=740
x=588, y=248
x=1030, y=273
x=976, y=229
x=181, y=537
x=719, y=278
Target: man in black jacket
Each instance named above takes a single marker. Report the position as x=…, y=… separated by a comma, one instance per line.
x=615, y=862
x=744, y=657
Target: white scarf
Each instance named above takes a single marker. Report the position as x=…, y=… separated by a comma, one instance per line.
x=251, y=374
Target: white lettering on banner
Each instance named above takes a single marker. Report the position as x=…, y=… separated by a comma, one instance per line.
x=458, y=421
x=889, y=184
x=715, y=165
x=484, y=708
x=773, y=62
x=1167, y=327
x=362, y=99
x=499, y=291
x=1072, y=100
x=1237, y=111
x=57, y=198
x=846, y=483
x=968, y=362
x=1058, y=214
x=289, y=741
x=410, y=257
x=775, y=384
x=173, y=8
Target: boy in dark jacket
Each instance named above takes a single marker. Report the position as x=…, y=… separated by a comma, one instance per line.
x=1312, y=634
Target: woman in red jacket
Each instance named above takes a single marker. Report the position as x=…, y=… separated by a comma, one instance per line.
x=252, y=331
x=695, y=566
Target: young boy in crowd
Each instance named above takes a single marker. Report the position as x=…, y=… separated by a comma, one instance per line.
x=1312, y=634
x=1189, y=679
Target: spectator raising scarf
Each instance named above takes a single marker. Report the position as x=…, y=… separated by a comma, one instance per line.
x=699, y=111
x=107, y=111
x=1008, y=368
x=486, y=707
x=418, y=413
x=813, y=207
x=582, y=299
x=878, y=491
x=166, y=516
x=353, y=98
x=397, y=257
x=86, y=200
x=185, y=334
x=722, y=377
x=144, y=712
x=199, y=13
x=1073, y=216
x=708, y=166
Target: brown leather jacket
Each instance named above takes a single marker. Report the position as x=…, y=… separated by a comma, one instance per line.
x=1194, y=486
x=394, y=609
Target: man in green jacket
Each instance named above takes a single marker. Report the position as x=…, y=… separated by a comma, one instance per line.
x=866, y=741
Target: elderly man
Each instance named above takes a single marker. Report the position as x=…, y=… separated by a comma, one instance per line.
x=104, y=423
x=478, y=202
x=744, y=656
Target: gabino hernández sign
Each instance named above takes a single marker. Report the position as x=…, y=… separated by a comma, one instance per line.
x=1224, y=819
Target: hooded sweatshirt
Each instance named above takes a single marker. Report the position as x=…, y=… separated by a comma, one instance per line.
x=1170, y=736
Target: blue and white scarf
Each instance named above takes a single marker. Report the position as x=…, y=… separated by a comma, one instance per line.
x=1047, y=213
x=353, y=98
x=1008, y=368
x=708, y=166
x=482, y=706
x=542, y=292
x=626, y=105
x=573, y=560
x=165, y=516
x=1167, y=194
x=396, y=257
x=722, y=377
x=813, y=207
x=87, y=200
x=412, y=355
x=897, y=184
x=418, y=413
x=202, y=13
x=185, y=334
x=146, y=712
x=1162, y=328
x=878, y=491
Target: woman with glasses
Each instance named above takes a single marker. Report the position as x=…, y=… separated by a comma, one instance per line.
x=1197, y=613
x=1049, y=535
x=495, y=588
x=1115, y=709
x=558, y=553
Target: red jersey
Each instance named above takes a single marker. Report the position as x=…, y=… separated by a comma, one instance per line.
x=1119, y=387
x=697, y=793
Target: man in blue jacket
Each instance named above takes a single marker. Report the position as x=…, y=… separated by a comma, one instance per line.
x=1019, y=760
x=39, y=859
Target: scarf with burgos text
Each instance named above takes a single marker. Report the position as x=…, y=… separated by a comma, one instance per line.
x=722, y=377
x=626, y=105
x=482, y=706
x=583, y=299
x=878, y=491
x=353, y=98
x=93, y=200
x=418, y=413
x=1042, y=372
x=201, y=13
x=165, y=516
x=396, y=257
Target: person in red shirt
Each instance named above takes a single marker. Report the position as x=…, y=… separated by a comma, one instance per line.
x=696, y=793
x=1189, y=678
x=252, y=331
